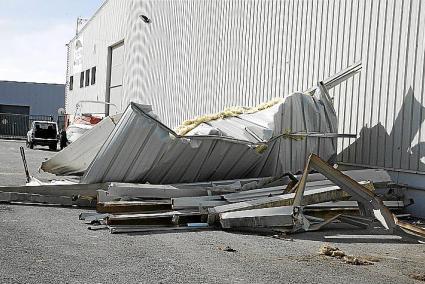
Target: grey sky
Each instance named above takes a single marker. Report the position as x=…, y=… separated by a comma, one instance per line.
x=33, y=37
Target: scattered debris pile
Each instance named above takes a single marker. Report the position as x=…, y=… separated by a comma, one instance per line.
x=227, y=248
x=272, y=138
x=232, y=170
x=328, y=250
x=289, y=204
x=139, y=148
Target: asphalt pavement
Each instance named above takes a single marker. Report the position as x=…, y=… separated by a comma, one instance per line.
x=11, y=165
x=44, y=244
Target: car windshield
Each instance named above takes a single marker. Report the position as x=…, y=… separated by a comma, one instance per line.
x=42, y=125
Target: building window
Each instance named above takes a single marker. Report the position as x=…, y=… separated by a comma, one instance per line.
x=82, y=79
x=71, y=83
x=93, y=75
x=87, y=77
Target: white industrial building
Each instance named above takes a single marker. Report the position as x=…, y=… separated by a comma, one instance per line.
x=192, y=57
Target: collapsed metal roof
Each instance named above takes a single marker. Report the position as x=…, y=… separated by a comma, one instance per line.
x=75, y=158
x=260, y=144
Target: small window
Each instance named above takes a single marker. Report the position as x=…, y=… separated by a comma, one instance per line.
x=93, y=75
x=71, y=83
x=82, y=79
x=87, y=77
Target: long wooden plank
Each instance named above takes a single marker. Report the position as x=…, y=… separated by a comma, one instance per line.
x=153, y=190
x=155, y=219
x=117, y=229
x=69, y=190
x=132, y=206
x=28, y=198
x=196, y=202
x=258, y=218
x=312, y=196
x=376, y=176
x=352, y=204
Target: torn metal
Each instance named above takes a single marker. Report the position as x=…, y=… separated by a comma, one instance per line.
x=75, y=158
x=370, y=203
x=258, y=218
x=240, y=142
x=142, y=149
x=291, y=217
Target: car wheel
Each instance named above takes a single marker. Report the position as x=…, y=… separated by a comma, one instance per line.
x=53, y=147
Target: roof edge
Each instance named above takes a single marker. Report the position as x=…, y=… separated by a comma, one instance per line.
x=91, y=18
x=26, y=82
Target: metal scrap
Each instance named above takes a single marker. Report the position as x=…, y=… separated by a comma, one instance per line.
x=293, y=219
x=75, y=158
x=142, y=149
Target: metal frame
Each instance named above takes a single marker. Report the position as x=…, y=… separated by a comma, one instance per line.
x=369, y=204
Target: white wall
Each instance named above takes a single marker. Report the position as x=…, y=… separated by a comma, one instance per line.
x=106, y=28
x=201, y=56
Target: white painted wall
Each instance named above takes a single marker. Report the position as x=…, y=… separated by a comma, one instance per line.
x=197, y=57
x=106, y=28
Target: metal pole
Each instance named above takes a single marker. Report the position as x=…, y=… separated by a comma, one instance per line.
x=24, y=160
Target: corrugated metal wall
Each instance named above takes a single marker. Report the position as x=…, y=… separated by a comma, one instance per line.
x=42, y=99
x=203, y=56
x=197, y=57
x=390, y=106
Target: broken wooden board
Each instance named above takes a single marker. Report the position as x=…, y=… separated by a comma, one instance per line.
x=258, y=218
x=104, y=196
x=376, y=176
x=395, y=204
x=29, y=198
x=153, y=190
x=329, y=209
x=236, y=184
x=122, y=229
x=371, y=205
x=254, y=194
x=155, y=219
x=311, y=196
x=132, y=206
x=70, y=190
x=410, y=229
x=196, y=202
x=358, y=238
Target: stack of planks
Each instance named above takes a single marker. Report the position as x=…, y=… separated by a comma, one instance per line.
x=231, y=204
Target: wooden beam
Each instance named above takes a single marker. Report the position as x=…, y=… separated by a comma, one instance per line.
x=69, y=190
x=132, y=206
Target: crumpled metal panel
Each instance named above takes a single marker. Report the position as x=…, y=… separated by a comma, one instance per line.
x=142, y=149
x=76, y=158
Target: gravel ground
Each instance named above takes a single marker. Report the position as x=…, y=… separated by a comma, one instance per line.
x=42, y=244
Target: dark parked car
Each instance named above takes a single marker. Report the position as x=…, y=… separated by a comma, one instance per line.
x=43, y=133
